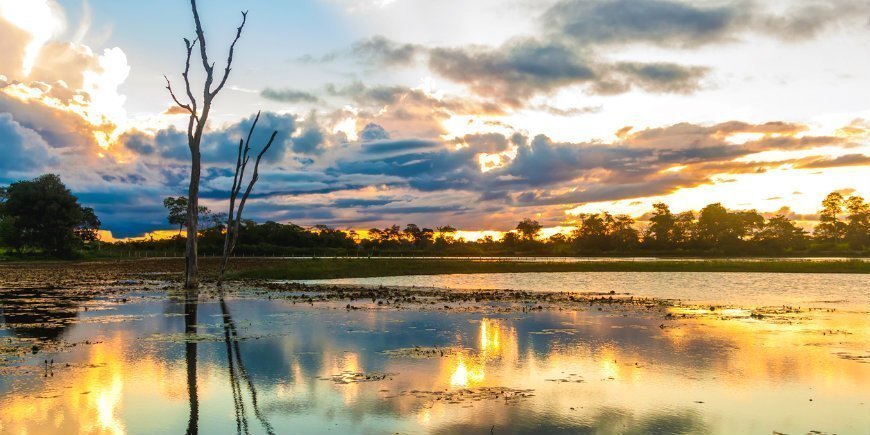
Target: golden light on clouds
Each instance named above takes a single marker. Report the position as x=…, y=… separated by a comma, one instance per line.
x=42, y=19
x=58, y=67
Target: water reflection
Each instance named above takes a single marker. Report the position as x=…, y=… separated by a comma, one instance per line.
x=252, y=365
x=746, y=289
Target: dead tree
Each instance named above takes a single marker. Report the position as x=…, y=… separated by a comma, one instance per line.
x=235, y=215
x=195, y=126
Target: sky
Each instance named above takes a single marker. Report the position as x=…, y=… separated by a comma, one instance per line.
x=474, y=114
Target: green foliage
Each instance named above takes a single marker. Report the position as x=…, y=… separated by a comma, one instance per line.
x=176, y=208
x=43, y=214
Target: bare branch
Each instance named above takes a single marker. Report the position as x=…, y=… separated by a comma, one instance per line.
x=230, y=56
x=256, y=174
x=174, y=98
x=186, y=76
x=245, y=152
x=200, y=35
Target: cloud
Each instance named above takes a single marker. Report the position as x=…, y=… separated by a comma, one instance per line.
x=373, y=132
x=288, y=96
x=650, y=21
x=515, y=71
x=576, y=38
x=377, y=50
x=380, y=50
x=222, y=145
x=23, y=148
x=827, y=162
x=660, y=77
x=679, y=24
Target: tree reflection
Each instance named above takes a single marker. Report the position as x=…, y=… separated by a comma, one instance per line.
x=236, y=367
x=190, y=309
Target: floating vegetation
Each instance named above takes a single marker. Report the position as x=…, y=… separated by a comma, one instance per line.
x=508, y=395
x=552, y=331
x=349, y=377
x=424, y=352
x=852, y=357
x=571, y=377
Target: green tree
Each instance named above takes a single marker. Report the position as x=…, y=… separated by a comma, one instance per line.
x=177, y=213
x=88, y=229
x=830, y=227
x=44, y=214
x=529, y=229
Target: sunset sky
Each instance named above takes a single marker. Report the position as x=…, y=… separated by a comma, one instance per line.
x=469, y=113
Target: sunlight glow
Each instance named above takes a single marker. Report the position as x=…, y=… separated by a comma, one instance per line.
x=42, y=19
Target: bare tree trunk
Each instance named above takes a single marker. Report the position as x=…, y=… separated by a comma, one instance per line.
x=195, y=127
x=191, y=266
x=234, y=217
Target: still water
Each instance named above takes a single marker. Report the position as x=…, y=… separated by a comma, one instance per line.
x=743, y=289
x=142, y=359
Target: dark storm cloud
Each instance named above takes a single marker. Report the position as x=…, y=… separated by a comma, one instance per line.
x=397, y=146
x=222, y=145
x=23, y=149
x=310, y=141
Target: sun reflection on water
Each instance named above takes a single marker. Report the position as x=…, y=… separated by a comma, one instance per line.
x=570, y=360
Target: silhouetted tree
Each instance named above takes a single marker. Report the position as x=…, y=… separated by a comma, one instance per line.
x=529, y=229
x=857, y=230
x=591, y=233
x=445, y=235
x=780, y=234
x=719, y=228
x=660, y=234
x=830, y=227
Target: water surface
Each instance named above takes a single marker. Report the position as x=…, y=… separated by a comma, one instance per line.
x=143, y=359
x=732, y=288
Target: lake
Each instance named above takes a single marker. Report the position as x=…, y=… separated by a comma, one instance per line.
x=139, y=357
x=743, y=289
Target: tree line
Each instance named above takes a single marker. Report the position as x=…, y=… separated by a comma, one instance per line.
x=43, y=216
x=843, y=228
